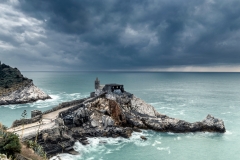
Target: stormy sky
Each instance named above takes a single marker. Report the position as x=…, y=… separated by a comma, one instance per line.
x=120, y=35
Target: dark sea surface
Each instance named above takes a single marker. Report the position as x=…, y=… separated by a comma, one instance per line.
x=187, y=96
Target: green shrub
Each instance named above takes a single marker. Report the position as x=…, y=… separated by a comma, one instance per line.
x=9, y=143
x=36, y=148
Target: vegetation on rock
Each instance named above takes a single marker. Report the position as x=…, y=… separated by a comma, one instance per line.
x=11, y=79
x=9, y=142
x=38, y=149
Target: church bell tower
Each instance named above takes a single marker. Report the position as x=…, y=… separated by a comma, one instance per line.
x=97, y=83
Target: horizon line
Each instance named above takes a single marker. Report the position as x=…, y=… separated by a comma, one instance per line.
x=143, y=71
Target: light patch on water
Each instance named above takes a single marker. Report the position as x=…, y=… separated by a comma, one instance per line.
x=15, y=106
x=166, y=108
x=178, y=138
x=108, y=151
x=228, y=132
x=65, y=156
x=226, y=113
x=182, y=105
x=164, y=149
x=203, y=135
x=54, y=97
x=182, y=112
x=156, y=143
x=155, y=103
x=170, y=133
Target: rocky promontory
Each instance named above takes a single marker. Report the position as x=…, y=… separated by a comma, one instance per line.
x=104, y=117
x=109, y=112
x=17, y=89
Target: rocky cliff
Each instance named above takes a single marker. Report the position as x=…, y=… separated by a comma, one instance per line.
x=119, y=116
x=16, y=89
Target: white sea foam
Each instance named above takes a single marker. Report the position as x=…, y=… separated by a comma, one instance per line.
x=156, y=143
x=228, y=132
x=170, y=133
x=100, y=145
x=65, y=156
x=54, y=97
x=178, y=138
x=226, y=113
x=156, y=103
x=164, y=149
x=13, y=106
x=181, y=112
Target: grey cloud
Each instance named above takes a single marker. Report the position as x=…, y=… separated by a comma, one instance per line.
x=136, y=34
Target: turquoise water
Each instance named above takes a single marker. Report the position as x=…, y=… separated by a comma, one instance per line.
x=187, y=96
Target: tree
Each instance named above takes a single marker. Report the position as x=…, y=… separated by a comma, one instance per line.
x=10, y=144
x=24, y=115
x=40, y=123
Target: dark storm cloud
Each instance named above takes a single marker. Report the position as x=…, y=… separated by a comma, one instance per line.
x=135, y=34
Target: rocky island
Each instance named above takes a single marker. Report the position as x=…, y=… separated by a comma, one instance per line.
x=17, y=89
x=110, y=111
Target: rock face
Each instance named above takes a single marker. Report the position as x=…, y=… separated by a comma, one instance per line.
x=103, y=117
x=16, y=89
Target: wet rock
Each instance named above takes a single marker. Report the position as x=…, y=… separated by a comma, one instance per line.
x=213, y=124
x=85, y=142
x=143, y=138
x=107, y=121
x=135, y=129
x=81, y=116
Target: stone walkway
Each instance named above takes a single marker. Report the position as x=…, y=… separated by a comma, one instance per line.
x=48, y=121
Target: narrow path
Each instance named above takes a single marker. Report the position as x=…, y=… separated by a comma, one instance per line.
x=48, y=121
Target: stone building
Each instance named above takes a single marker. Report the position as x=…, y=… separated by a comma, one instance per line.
x=113, y=88
x=107, y=88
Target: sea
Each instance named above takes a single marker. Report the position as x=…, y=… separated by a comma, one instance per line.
x=186, y=96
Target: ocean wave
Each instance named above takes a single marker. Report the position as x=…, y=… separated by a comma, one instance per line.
x=100, y=145
x=156, y=143
x=155, y=103
x=65, y=156
x=54, y=101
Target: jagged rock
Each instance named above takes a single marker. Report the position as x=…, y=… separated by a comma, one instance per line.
x=135, y=129
x=213, y=124
x=107, y=121
x=59, y=122
x=81, y=116
x=16, y=89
